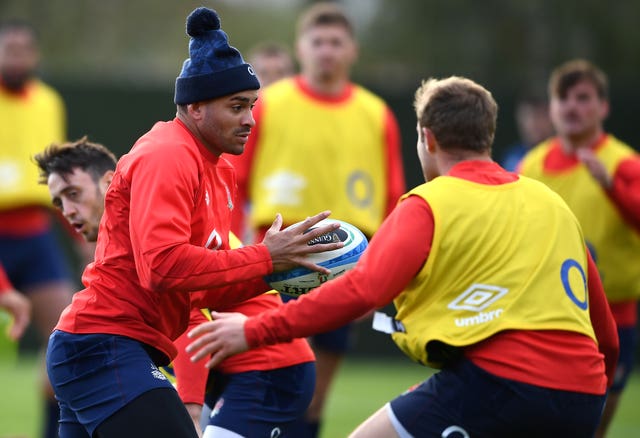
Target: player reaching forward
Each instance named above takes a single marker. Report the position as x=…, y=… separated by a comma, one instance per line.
x=163, y=234
x=519, y=325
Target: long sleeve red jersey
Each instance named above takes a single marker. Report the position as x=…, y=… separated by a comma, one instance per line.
x=164, y=232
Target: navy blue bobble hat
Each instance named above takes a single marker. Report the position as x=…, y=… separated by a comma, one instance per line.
x=214, y=68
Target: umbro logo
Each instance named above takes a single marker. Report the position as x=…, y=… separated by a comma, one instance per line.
x=477, y=297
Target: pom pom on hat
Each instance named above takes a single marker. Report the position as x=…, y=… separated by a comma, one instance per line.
x=214, y=68
x=202, y=20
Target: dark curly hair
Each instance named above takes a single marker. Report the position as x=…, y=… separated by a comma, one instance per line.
x=93, y=158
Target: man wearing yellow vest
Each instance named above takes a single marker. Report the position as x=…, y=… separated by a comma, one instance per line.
x=33, y=116
x=599, y=178
x=492, y=282
x=320, y=140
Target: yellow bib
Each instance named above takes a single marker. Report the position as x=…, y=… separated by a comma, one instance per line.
x=615, y=246
x=29, y=124
x=503, y=257
x=313, y=155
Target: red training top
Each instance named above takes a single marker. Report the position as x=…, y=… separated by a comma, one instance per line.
x=164, y=232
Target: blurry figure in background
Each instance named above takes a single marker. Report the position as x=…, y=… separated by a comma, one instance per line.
x=271, y=61
x=534, y=126
x=320, y=141
x=33, y=116
x=599, y=177
x=16, y=305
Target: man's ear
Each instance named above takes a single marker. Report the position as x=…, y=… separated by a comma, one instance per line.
x=106, y=180
x=604, y=110
x=430, y=139
x=195, y=110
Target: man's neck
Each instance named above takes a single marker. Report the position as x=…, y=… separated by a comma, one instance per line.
x=570, y=144
x=447, y=159
x=327, y=87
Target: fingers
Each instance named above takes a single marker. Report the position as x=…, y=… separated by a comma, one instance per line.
x=19, y=326
x=202, y=346
x=312, y=220
x=216, y=359
x=277, y=223
x=200, y=330
x=220, y=338
x=20, y=308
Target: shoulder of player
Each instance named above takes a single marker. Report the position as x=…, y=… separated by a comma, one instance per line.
x=613, y=142
x=278, y=89
x=536, y=153
x=165, y=147
x=45, y=91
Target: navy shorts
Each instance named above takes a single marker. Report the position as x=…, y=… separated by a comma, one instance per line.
x=260, y=403
x=627, y=337
x=33, y=260
x=335, y=341
x=466, y=401
x=95, y=375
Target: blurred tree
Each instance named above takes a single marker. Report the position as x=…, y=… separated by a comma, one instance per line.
x=506, y=45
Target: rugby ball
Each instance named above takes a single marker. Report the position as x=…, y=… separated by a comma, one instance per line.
x=300, y=280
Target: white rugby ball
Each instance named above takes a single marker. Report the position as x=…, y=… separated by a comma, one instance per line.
x=300, y=280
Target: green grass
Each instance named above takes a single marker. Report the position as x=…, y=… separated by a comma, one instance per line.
x=362, y=386
x=20, y=408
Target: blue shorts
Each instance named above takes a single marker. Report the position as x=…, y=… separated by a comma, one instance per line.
x=627, y=337
x=33, y=260
x=466, y=401
x=95, y=375
x=259, y=403
x=335, y=341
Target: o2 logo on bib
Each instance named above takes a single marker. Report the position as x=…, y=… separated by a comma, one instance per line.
x=574, y=282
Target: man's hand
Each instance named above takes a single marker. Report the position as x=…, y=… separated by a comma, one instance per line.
x=595, y=167
x=222, y=337
x=20, y=308
x=289, y=247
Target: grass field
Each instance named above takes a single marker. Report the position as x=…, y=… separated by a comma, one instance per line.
x=360, y=389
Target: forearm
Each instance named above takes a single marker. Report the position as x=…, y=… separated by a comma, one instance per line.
x=377, y=279
x=602, y=321
x=190, y=268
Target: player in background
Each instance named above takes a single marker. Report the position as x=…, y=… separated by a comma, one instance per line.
x=320, y=140
x=271, y=61
x=164, y=233
x=16, y=304
x=33, y=115
x=534, y=126
x=78, y=175
x=599, y=178
x=519, y=326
